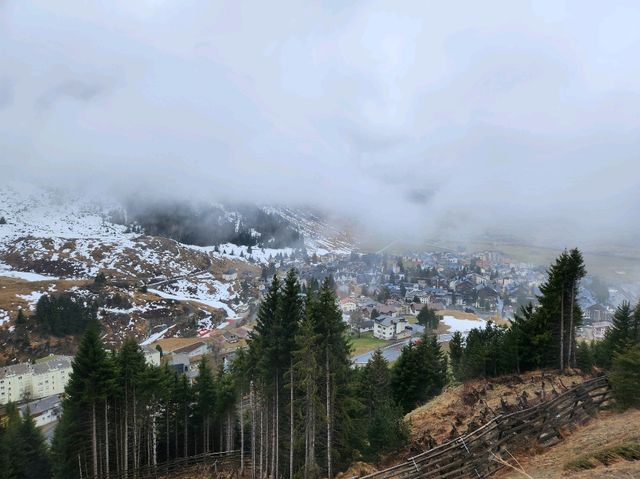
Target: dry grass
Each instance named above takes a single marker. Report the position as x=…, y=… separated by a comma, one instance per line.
x=10, y=288
x=475, y=402
x=603, y=437
x=169, y=345
x=357, y=469
x=456, y=314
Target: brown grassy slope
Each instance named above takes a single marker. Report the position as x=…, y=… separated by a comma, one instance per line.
x=12, y=288
x=467, y=406
x=607, y=430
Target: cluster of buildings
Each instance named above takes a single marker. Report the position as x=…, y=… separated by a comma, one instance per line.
x=386, y=289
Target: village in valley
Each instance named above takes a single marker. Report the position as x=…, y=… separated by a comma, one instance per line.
x=387, y=301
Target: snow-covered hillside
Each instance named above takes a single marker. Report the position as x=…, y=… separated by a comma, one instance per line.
x=54, y=233
x=320, y=236
x=53, y=241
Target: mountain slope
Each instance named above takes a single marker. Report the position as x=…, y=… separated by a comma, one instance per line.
x=54, y=242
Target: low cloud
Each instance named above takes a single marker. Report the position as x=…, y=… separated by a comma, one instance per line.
x=417, y=120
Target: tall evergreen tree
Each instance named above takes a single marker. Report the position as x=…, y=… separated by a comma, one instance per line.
x=419, y=373
x=289, y=317
x=383, y=419
x=205, y=393
x=307, y=370
x=621, y=336
x=32, y=450
x=456, y=350
x=77, y=434
x=335, y=349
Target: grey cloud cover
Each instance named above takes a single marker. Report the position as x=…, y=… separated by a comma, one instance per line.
x=419, y=118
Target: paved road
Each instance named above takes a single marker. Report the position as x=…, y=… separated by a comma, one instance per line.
x=392, y=352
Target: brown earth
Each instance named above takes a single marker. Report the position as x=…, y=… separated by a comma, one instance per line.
x=609, y=429
x=467, y=406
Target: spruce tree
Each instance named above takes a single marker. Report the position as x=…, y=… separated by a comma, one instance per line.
x=307, y=370
x=386, y=432
x=620, y=337
x=419, y=373
x=12, y=460
x=635, y=324
x=130, y=368
x=335, y=348
x=289, y=317
x=374, y=383
x=32, y=450
x=204, y=389
x=382, y=418
x=625, y=378
x=456, y=349
x=81, y=417
x=427, y=317
x=584, y=357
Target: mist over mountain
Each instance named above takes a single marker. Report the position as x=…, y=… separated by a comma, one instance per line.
x=207, y=225
x=414, y=120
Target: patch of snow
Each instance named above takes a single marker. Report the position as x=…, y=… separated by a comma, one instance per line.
x=197, y=297
x=154, y=337
x=205, y=323
x=462, y=325
x=7, y=271
x=4, y=317
x=32, y=298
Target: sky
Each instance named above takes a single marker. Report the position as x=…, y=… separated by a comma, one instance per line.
x=415, y=119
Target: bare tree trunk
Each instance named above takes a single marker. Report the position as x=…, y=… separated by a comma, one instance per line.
x=261, y=441
x=291, y=421
x=168, y=434
x=308, y=444
x=329, y=425
x=571, y=355
x=241, y=435
x=94, y=440
x=135, y=432
x=312, y=439
x=186, y=432
x=562, y=330
x=117, y=436
x=267, y=438
x=274, y=426
x=175, y=437
x=276, y=474
x=106, y=438
x=253, y=430
x=229, y=432
x=154, y=440
x=125, y=433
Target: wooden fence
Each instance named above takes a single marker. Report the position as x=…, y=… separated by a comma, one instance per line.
x=226, y=464
x=475, y=455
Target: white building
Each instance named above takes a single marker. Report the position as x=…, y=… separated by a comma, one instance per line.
x=347, y=305
x=387, y=327
x=151, y=355
x=15, y=382
x=34, y=381
x=43, y=411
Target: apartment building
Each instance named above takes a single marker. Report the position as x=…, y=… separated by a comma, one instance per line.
x=47, y=377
